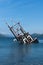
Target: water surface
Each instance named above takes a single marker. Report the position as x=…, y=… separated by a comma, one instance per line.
x=13, y=53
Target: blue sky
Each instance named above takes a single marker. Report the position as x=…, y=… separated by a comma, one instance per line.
x=28, y=12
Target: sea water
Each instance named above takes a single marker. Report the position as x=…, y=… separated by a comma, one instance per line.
x=14, y=53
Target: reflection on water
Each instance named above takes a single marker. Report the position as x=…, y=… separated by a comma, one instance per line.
x=13, y=53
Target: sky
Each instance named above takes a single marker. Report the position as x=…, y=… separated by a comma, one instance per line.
x=28, y=12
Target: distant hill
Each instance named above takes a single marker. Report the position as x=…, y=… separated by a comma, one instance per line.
x=2, y=35
x=39, y=36
x=5, y=35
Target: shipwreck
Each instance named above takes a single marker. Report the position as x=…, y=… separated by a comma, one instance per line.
x=21, y=35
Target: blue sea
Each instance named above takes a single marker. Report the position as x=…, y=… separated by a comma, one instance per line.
x=14, y=53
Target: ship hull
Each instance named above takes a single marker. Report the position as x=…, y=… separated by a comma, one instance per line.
x=35, y=41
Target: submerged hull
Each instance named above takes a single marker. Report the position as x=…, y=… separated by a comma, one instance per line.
x=35, y=41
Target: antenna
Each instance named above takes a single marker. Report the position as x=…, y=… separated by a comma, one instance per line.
x=8, y=25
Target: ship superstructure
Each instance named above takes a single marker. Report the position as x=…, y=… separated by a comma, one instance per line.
x=21, y=35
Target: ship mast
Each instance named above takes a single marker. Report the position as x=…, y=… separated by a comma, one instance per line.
x=27, y=35
x=13, y=31
x=21, y=28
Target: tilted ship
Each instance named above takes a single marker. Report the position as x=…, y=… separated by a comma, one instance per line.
x=21, y=35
